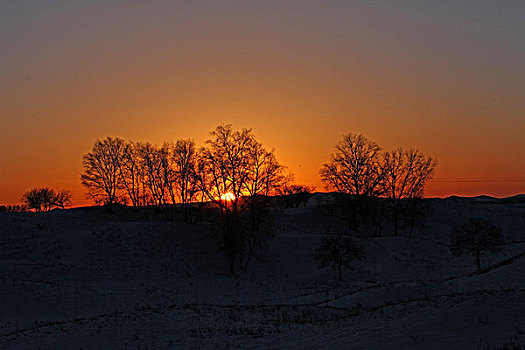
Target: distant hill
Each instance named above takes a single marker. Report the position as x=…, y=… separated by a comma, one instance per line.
x=519, y=198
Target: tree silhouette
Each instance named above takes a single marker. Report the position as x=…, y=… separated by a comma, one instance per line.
x=257, y=219
x=413, y=211
x=225, y=164
x=354, y=169
x=475, y=237
x=62, y=199
x=184, y=184
x=234, y=165
x=338, y=251
x=266, y=175
x=132, y=174
x=46, y=198
x=39, y=199
x=154, y=164
x=405, y=174
x=102, y=170
x=224, y=168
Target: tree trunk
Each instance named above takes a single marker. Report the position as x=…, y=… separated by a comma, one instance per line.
x=248, y=258
x=478, y=263
x=395, y=216
x=350, y=225
x=411, y=229
x=232, y=261
x=356, y=222
x=395, y=226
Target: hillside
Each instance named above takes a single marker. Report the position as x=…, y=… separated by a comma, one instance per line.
x=88, y=278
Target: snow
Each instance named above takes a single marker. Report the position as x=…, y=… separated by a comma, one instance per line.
x=88, y=278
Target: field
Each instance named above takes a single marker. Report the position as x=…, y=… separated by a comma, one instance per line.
x=89, y=278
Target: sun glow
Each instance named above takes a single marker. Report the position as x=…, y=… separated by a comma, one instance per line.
x=228, y=196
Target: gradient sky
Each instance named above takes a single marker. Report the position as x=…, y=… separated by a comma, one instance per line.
x=447, y=77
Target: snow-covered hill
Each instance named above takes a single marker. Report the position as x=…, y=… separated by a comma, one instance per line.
x=91, y=279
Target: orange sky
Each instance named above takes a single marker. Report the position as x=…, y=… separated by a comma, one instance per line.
x=446, y=78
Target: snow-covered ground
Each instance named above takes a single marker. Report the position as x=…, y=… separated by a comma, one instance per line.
x=87, y=278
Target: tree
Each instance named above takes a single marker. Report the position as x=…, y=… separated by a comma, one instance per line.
x=229, y=235
x=475, y=237
x=373, y=213
x=46, y=198
x=354, y=169
x=184, y=184
x=337, y=252
x=405, y=174
x=225, y=165
x=62, y=199
x=294, y=195
x=154, y=164
x=223, y=171
x=132, y=174
x=266, y=175
x=102, y=170
x=414, y=210
x=236, y=173
x=258, y=228
x=39, y=199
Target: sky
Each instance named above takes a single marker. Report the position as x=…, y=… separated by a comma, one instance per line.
x=446, y=77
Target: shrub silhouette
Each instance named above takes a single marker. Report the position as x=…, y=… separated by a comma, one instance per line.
x=15, y=208
x=292, y=196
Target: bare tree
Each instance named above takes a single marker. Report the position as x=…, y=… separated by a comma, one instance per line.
x=266, y=175
x=258, y=228
x=62, y=199
x=39, y=199
x=163, y=176
x=237, y=173
x=154, y=164
x=405, y=174
x=475, y=237
x=183, y=157
x=223, y=172
x=354, y=169
x=413, y=213
x=230, y=237
x=225, y=165
x=338, y=251
x=373, y=213
x=132, y=174
x=46, y=198
x=102, y=170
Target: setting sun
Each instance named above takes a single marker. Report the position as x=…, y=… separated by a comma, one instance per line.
x=228, y=196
